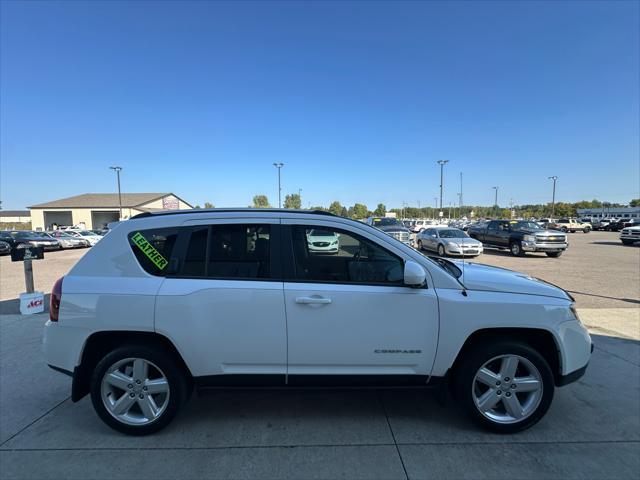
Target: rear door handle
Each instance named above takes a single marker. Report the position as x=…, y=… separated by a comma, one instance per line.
x=313, y=300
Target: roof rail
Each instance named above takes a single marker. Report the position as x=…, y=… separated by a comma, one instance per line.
x=226, y=210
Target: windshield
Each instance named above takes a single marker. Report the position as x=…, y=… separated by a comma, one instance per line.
x=383, y=222
x=526, y=225
x=26, y=235
x=452, y=233
x=85, y=233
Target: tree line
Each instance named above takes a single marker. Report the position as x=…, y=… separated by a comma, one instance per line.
x=360, y=211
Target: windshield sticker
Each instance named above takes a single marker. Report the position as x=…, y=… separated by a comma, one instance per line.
x=149, y=250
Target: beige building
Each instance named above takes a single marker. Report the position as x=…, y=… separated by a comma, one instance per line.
x=95, y=210
x=15, y=216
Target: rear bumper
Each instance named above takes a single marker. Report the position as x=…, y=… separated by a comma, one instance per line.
x=571, y=377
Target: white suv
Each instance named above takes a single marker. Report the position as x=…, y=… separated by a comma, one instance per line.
x=172, y=300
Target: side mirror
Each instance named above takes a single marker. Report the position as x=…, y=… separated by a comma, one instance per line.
x=414, y=274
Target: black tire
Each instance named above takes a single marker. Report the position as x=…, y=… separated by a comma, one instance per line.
x=420, y=245
x=179, y=390
x=586, y=230
x=441, y=251
x=564, y=229
x=474, y=359
x=554, y=254
x=515, y=248
x=627, y=242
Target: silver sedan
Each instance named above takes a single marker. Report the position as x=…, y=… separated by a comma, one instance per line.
x=448, y=241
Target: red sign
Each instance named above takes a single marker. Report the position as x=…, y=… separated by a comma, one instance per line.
x=170, y=203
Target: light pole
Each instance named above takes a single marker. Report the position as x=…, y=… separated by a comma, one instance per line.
x=553, y=198
x=442, y=163
x=117, y=170
x=496, y=200
x=279, y=165
x=300, y=196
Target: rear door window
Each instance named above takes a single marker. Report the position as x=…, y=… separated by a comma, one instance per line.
x=228, y=251
x=153, y=248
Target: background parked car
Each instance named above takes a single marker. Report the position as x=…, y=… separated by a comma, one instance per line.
x=601, y=224
x=87, y=235
x=616, y=225
x=630, y=235
x=23, y=238
x=570, y=225
x=67, y=240
x=448, y=241
x=5, y=248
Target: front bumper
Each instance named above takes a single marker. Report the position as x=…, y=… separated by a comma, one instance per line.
x=544, y=247
x=466, y=252
x=633, y=238
x=323, y=249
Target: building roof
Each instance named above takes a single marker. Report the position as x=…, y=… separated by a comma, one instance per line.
x=607, y=210
x=15, y=213
x=103, y=200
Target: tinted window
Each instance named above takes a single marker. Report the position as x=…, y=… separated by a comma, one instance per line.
x=153, y=248
x=344, y=258
x=195, y=257
x=239, y=251
x=493, y=226
x=452, y=233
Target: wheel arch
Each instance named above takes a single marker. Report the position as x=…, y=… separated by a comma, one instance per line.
x=543, y=341
x=101, y=343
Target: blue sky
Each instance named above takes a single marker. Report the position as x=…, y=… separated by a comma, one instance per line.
x=359, y=100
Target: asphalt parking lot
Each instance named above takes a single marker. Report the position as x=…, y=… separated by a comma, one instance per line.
x=591, y=431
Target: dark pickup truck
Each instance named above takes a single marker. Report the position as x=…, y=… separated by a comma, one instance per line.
x=520, y=237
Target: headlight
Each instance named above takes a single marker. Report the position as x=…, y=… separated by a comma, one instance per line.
x=529, y=238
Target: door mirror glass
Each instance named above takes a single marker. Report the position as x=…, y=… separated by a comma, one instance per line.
x=414, y=274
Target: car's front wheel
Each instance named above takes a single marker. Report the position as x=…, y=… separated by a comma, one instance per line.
x=554, y=254
x=586, y=230
x=516, y=249
x=441, y=251
x=137, y=390
x=505, y=387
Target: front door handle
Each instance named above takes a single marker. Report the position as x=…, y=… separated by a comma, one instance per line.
x=312, y=300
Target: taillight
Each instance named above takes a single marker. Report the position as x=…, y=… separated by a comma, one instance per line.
x=54, y=302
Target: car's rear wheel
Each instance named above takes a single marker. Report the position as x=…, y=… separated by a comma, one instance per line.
x=554, y=254
x=138, y=390
x=586, y=230
x=505, y=387
x=441, y=251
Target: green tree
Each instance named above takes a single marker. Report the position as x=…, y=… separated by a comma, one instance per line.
x=261, y=201
x=208, y=205
x=335, y=208
x=344, y=212
x=197, y=206
x=635, y=202
x=380, y=210
x=359, y=211
x=292, y=201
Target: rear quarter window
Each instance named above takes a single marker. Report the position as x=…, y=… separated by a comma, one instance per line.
x=153, y=248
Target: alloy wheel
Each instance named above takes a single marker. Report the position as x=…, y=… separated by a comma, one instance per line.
x=135, y=391
x=507, y=389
